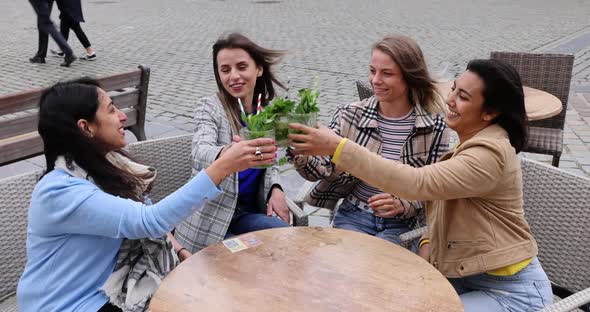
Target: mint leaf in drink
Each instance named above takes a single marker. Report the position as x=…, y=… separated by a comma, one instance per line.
x=308, y=100
x=280, y=106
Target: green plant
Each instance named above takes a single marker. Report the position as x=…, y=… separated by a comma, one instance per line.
x=281, y=131
x=279, y=114
x=257, y=134
x=262, y=121
x=280, y=107
x=308, y=99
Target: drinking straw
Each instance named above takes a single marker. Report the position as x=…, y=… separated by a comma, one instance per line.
x=259, y=107
x=241, y=106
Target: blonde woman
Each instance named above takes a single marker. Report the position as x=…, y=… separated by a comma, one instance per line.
x=400, y=122
x=477, y=236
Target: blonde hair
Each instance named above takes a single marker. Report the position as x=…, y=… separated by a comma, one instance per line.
x=406, y=53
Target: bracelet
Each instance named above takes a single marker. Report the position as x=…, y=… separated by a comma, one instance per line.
x=179, y=250
x=423, y=242
x=336, y=155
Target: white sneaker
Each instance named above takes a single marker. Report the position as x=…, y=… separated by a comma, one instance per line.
x=56, y=53
x=88, y=57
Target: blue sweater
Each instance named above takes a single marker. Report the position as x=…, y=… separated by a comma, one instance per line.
x=75, y=231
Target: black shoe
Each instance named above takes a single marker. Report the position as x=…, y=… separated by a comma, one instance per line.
x=88, y=57
x=68, y=59
x=57, y=53
x=37, y=59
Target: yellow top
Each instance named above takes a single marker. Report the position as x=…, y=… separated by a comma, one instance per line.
x=504, y=271
x=511, y=269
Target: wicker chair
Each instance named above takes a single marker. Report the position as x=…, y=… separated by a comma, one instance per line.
x=15, y=195
x=556, y=208
x=170, y=156
x=551, y=73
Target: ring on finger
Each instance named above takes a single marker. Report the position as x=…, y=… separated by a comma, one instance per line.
x=258, y=152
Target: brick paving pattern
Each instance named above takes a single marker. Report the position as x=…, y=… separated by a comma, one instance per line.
x=328, y=38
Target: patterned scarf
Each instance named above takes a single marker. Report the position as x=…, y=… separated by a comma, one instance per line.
x=141, y=263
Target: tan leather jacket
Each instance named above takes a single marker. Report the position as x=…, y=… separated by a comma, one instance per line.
x=475, y=211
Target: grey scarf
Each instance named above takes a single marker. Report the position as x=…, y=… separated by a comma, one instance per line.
x=141, y=263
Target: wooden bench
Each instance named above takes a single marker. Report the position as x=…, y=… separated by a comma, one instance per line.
x=19, y=114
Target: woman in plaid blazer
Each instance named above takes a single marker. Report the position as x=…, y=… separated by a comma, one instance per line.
x=399, y=122
x=251, y=197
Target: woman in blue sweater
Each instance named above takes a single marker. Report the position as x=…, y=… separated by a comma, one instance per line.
x=92, y=197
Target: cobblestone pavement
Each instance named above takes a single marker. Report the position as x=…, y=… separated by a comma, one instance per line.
x=328, y=38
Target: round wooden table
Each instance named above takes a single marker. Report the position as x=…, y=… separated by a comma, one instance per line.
x=306, y=269
x=538, y=104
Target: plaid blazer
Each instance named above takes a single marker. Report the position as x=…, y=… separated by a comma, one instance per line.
x=427, y=142
x=209, y=224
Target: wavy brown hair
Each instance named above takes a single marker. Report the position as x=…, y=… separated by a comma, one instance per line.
x=263, y=57
x=406, y=53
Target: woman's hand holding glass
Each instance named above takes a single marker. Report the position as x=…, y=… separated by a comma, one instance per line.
x=241, y=156
x=320, y=141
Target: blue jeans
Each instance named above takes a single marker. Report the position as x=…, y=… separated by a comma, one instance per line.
x=249, y=222
x=527, y=290
x=350, y=217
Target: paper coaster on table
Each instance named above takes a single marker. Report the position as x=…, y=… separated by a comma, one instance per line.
x=242, y=242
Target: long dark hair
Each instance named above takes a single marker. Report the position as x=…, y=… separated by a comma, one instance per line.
x=263, y=57
x=406, y=53
x=503, y=94
x=60, y=108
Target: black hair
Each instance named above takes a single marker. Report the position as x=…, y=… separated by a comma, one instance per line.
x=503, y=94
x=60, y=108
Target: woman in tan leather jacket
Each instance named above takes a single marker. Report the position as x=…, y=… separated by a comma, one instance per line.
x=477, y=234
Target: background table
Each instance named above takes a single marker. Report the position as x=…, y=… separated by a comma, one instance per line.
x=306, y=269
x=538, y=104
